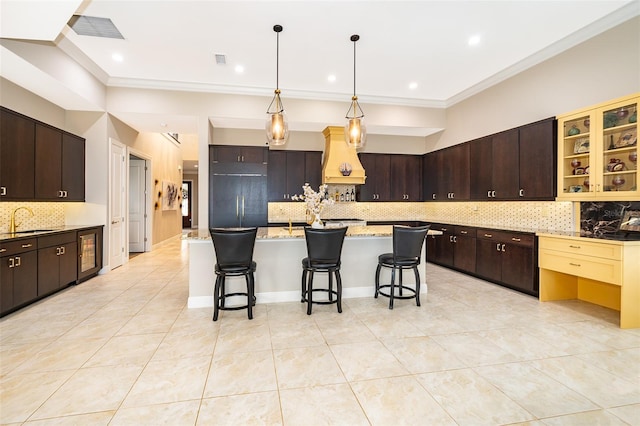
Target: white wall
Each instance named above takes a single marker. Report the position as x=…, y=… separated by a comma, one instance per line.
x=602, y=68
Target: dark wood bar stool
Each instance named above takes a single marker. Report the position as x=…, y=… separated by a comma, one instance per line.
x=324, y=248
x=234, y=258
x=407, y=246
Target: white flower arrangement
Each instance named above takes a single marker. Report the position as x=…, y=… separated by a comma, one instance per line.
x=315, y=200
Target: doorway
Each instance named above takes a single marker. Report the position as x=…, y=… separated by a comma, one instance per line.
x=139, y=203
x=187, y=204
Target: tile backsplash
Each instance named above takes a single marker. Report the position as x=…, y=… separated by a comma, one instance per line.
x=45, y=215
x=534, y=215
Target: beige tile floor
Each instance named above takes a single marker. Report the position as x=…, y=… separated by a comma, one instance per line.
x=123, y=349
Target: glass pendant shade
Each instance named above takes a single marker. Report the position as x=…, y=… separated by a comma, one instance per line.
x=277, y=125
x=355, y=131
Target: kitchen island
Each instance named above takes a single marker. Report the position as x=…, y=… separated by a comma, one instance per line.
x=278, y=253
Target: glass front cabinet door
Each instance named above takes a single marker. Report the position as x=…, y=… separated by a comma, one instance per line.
x=598, y=152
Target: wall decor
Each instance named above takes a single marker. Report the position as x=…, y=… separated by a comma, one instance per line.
x=170, y=195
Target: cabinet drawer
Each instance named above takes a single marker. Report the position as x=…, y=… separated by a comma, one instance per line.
x=506, y=237
x=57, y=239
x=9, y=248
x=599, y=269
x=585, y=248
x=465, y=231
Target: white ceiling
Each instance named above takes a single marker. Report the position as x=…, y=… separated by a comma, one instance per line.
x=170, y=44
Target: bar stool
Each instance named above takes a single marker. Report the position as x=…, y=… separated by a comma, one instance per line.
x=407, y=246
x=234, y=256
x=324, y=247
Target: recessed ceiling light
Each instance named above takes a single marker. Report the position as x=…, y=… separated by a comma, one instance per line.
x=239, y=69
x=413, y=85
x=331, y=78
x=474, y=40
x=117, y=57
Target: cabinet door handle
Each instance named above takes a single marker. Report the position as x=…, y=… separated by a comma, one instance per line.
x=237, y=207
x=26, y=245
x=450, y=238
x=521, y=192
x=575, y=247
x=238, y=158
x=517, y=240
x=574, y=264
x=18, y=262
x=65, y=194
x=455, y=239
x=488, y=194
x=3, y=190
x=57, y=251
x=503, y=247
x=433, y=196
x=243, y=206
x=243, y=158
x=488, y=235
x=493, y=194
x=62, y=250
x=11, y=262
x=498, y=247
x=453, y=195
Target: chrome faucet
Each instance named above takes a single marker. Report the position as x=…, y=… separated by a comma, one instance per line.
x=13, y=225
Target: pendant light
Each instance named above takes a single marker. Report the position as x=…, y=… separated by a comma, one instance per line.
x=355, y=131
x=277, y=125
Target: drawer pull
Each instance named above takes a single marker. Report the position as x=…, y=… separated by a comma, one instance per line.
x=574, y=264
x=488, y=235
x=575, y=247
x=2, y=250
x=463, y=232
x=27, y=245
x=516, y=239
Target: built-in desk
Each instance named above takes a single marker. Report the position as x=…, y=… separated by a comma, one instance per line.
x=279, y=253
x=603, y=272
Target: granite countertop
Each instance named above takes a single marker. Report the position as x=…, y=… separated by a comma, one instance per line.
x=266, y=233
x=22, y=234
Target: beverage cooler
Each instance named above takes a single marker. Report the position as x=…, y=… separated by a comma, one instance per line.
x=90, y=253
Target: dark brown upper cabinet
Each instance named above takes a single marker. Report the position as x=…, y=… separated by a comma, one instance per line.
x=17, y=156
x=59, y=165
x=288, y=171
x=39, y=162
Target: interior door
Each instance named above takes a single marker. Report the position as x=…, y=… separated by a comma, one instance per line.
x=137, y=205
x=116, y=209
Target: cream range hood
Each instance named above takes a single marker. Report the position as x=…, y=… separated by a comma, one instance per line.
x=336, y=152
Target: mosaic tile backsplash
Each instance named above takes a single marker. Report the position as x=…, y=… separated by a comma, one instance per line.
x=45, y=215
x=534, y=215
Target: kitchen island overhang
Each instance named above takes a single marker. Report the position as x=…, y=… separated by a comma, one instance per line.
x=279, y=253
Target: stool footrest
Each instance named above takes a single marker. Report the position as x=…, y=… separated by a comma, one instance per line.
x=410, y=296
x=323, y=302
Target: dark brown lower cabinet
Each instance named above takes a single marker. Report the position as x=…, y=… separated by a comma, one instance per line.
x=508, y=258
x=18, y=274
x=503, y=257
x=455, y=248
x=57, y=262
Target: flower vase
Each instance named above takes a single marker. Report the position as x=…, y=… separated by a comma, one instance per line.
x=317, y=223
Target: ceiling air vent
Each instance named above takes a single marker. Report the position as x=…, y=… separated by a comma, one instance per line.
x=220, y=59
x=94, y=26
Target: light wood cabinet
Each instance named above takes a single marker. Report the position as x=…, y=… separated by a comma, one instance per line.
x=598, y=151
x=602, y=272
